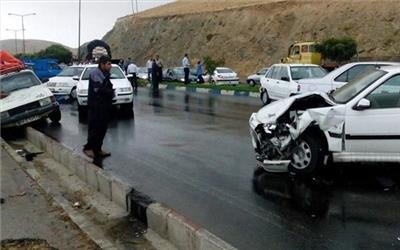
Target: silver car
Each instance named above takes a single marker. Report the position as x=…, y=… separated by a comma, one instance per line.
x=254, y=79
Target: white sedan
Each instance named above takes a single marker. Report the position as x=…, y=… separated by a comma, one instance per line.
x=64, y=84
x=224, y=76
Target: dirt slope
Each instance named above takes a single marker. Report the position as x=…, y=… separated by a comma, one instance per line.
x=32, y=45
x=249, y=34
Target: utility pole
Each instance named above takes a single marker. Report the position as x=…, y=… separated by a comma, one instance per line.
x=133, y=9
x=23, y=27
x=15, y=39
x=137, y=10
x=79, y=33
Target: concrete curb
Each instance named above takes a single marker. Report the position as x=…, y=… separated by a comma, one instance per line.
x=170, y=225
x=208, y=91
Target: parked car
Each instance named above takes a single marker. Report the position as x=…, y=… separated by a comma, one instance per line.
x=358, y=122
x=64, y=84
x=44, y=68
x=178, y=74
x=281, y=80
x=339, y=76
x=24, y=99
x=121, y=85
x=224, y=76
x=142, y=73
x=254, y=79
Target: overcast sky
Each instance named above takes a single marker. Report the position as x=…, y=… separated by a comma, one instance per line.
x=57, y=20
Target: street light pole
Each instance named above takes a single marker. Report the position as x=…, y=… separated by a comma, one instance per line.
x=15, y=39
x=137, y=10
x=79, y=33
x=133, y=9
x=23, y=27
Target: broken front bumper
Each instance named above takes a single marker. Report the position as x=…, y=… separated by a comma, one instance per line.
x=280, y=166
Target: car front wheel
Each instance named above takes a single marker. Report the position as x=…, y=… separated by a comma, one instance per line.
x=55, y=116
x=252, y=83
x=73, y=94
x=265, y=97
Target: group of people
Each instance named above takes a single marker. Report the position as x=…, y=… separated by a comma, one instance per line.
x=186, y=68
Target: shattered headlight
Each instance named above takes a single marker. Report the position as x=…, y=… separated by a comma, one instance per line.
x=45, y=101
x=4, y=115
x=128, y=89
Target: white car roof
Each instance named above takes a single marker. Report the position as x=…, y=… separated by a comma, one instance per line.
x=391, y=69
x=373, y=62
x=296, y=64
x=96, y=65
x=217, y=68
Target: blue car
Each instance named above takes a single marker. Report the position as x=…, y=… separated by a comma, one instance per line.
x=43, y=68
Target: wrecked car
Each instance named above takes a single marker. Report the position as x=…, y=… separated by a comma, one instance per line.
x=359, y=122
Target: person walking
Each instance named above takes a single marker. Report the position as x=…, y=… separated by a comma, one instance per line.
x=132, y=70
x=100, y=95
x=186, y=68
x=199, y=72
x=154, y=77
x=149, y=65
x=160, y=66
x=126, y=63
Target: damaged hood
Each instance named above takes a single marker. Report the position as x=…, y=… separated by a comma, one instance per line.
x=318, y=108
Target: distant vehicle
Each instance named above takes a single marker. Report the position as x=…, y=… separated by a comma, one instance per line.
x=357, y=123
x=303, y=52
x=121, y=85
x=44, y=68
x=224, y=76
x=339, y=76
x=178, y=74
x=254, y=79
x=142, y=73
x=24, y=99
x=97, y=48
x=64, y=84
x=281, y=80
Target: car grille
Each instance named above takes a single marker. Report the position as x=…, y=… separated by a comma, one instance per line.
x=24, y=108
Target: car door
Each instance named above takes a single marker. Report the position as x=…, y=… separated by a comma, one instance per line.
x=270, y=81
x=283, y=83
x=376, y=129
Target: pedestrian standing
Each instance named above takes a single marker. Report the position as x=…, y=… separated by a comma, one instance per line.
x=199, y=72
x=126, y=63
x=186, y=68
x=132, y=71
x=149, y=65
x=160, y=66
x=154, y=77
x=100, y=95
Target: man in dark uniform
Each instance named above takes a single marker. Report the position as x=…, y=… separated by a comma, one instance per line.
x=155, y=77
x=100, y=95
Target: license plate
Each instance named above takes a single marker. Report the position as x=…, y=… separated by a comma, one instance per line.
x=28, y=120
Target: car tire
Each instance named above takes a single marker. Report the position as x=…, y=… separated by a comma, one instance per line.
x=309, y=156
x=55, y=116
x=264, y=97
x=73, y=94
x=258, y=181
x=82, y=112
x=252, y=83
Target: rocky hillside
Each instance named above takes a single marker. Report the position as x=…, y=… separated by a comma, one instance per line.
x=32, y=45
x=249, y=34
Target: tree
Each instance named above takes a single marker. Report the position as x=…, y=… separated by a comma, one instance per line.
x=338, y=49
x=55, y=51
x=212, y=64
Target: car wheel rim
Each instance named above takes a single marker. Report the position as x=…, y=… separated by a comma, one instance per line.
x=302, y=156
x=264, y=97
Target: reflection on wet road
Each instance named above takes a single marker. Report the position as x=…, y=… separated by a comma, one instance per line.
x=193, y=152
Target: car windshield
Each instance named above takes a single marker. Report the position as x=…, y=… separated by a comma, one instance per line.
x=116, y=73
x=353, y=88
x=71, y=71
x=262, y=71
x=18, y=81
x=302, y=72
x=224, y=71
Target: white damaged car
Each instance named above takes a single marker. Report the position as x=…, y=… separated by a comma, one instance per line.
x=359, y=122
x=24, y=99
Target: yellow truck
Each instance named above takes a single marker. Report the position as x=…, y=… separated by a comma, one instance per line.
x=303, y=52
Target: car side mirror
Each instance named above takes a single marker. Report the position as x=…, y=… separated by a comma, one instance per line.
x=285, y=78
x=75, y=78
x=363, y=104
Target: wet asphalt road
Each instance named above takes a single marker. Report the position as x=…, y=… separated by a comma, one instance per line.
x=193, y=152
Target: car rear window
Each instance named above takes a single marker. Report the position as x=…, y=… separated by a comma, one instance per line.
x=222, y=71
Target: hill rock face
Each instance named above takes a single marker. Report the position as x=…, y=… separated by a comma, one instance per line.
x=250, y=34
x=32, y=45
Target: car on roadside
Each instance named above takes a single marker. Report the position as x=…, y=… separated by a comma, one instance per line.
x=358, y=123
x=24, y=99
x=44, y=68
x=123, y=89
x=340, y=76
x=142, y=73
x=64, y=84
x=223, y=75
x=177, y=74
x=281, y=80
x=254, y=79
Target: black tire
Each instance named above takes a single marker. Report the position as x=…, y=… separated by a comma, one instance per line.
x=259, y=180
x=82, y=112
x=264, y=97
x=252, y=83
x=309, y=158
x=55, y=116
x=73, y=94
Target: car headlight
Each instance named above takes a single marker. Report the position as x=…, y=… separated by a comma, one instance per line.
x=45, y=101
x=51, y=84
x=128, y=89
x=5, y=115
x=82, y=91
